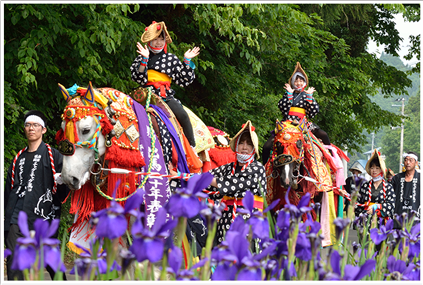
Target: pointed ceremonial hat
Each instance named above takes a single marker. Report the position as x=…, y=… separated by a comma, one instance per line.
x=254, y=138
x=298, y=69
x=154, y=30
x=376, y=154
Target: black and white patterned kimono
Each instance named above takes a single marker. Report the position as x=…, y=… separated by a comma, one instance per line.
x=167, y=63
x=33, y=186
x=236, y=186
x=388, y=203
x=408, y=194
x=299, y=101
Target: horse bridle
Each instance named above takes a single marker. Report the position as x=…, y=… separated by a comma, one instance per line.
x=67, y=148
x=284, y=159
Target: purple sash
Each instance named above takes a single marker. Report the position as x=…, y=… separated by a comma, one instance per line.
x=182, y=160
x=157, y=191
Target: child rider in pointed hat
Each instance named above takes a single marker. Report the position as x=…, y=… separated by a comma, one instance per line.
x=297, y=103
x=157, y=68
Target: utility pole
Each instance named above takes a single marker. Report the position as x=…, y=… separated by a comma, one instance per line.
x=402, y=130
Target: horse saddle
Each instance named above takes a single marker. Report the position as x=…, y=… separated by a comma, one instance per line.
x=282, y=159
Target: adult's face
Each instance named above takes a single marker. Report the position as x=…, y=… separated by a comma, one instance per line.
x=34, y=131
x=245, y=146
x=375, y=170
x=409, y=163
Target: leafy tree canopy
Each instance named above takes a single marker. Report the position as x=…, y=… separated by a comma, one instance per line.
x=248, y=52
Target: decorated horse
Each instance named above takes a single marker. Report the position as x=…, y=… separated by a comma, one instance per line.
x=110, y=150
x=300, y=161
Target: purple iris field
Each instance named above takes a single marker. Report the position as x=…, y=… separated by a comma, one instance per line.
x=285, y=246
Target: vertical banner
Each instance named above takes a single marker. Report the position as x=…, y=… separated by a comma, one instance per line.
x=157, y=191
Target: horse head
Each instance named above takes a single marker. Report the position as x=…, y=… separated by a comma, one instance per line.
x=81, y=138
x=288, y=153
x=92, y=123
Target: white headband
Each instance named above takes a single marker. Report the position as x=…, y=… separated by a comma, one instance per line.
x=412, y=155
x=34, y=118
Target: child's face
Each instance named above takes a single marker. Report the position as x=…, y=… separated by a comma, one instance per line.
x=299, y=82
x=158, y=42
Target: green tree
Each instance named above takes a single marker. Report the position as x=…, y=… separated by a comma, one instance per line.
x=391, y=139
x=248, y=53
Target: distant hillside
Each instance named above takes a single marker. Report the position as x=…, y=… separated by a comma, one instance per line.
x=386, y=104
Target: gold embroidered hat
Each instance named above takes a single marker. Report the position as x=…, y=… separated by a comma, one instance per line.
x=154, y=30
x=254, y=138
x=376, y=155
x=298, y=71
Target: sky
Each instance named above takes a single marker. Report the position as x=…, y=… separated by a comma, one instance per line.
x=405, y=29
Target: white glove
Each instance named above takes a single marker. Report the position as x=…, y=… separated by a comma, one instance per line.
x=58, y=178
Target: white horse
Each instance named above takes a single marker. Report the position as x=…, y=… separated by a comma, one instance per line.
x=76, y=168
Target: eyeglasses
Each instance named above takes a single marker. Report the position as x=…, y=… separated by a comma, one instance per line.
x=408, y=159
x=34, y=125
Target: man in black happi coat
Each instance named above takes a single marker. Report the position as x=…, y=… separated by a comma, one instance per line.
x=407, y=187
x=31, y=186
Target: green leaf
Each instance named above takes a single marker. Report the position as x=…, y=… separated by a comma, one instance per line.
x=25, y=13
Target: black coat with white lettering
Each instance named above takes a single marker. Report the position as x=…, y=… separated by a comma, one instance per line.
x=408, y=198
x=39, y=200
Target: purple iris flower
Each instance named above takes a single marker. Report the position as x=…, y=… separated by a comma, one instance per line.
x=7, y=252
x=133, y=203
x=239, y=247
x=291, y=272
x=413, y=240
x=355, y=246
x=43, y=233
x=379, y=235
x=184, y=202
x=127, y=258
x=25, y=252
x=175, y=262
x=302, y=206
x=398, y=269
x=239, y=226
x=258, y=221
x=27, y=246
x=251, y=271
x=83, y=266
x=340, y=225
x=219, y=252
x=86, y=263
x=213, y=211
x=303, y=247
x=224, y=271
x=149, y=244
x=350, y=272
x=271, y=267
x=110, y=222
x=268, y=248
x=102, y=266
x=283, y=220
